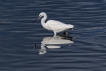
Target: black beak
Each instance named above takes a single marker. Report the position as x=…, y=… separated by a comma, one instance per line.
x=36, y=19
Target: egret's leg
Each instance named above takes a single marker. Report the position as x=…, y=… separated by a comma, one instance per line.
x=65, y=33
x=54, y=33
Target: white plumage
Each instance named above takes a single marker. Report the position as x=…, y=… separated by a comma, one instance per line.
x=53, y=25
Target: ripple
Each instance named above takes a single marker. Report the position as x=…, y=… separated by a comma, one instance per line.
x=19, y=34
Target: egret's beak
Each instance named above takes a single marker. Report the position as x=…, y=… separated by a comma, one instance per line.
x=37, y=18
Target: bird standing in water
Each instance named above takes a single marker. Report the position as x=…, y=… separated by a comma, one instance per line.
x=53, y=25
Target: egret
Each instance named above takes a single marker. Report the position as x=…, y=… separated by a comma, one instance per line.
x=53, y=25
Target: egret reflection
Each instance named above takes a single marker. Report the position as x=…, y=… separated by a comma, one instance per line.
x=54, y=43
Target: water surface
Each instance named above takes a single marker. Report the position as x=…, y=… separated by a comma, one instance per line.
x=18, y=35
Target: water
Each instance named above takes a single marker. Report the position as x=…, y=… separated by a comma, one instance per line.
x=19, y=36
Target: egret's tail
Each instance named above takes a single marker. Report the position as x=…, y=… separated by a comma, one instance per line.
x=70, y=27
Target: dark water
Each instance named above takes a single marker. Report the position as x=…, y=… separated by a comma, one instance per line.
x=18, y=35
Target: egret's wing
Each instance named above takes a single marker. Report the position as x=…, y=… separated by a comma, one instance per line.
x=53, y=24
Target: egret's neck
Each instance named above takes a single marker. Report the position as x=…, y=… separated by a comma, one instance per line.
x=43, y=19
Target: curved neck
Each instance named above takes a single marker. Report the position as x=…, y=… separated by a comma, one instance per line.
x=43, y=19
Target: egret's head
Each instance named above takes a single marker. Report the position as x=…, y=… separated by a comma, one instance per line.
x=40, y=15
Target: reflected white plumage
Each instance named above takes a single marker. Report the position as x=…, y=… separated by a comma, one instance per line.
x=53, y=43
x=53, y=25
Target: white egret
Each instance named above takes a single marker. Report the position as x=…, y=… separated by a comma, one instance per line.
x=53, y=25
